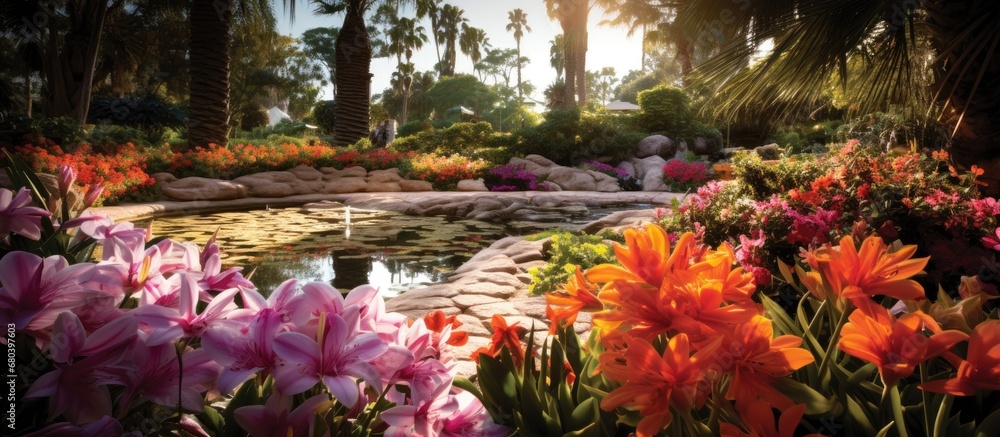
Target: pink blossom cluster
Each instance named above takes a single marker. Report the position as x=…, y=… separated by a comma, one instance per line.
x=679, y=171
x=163, y=322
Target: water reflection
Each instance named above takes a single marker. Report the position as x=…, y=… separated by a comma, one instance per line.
x=389, y=250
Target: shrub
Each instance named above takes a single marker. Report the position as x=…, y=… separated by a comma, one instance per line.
x=145, y=112
x=472, y=140
x=513, y=177
x=681, y=175
x=565, y=251
x=568, y=136
x=665, y=108
x=762, y=181
x=254, y=117
x=443, y=172
x=413, y=127
x=60, y=130
x=325, y=115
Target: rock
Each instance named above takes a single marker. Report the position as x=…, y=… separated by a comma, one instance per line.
x=405, y=303
x=768, y=152
x=621, y=219
x=383, y=187
x=464, y=301
x=408, y=185
x=345, y=185
x=540, y=160
x=306, y=173
x=322, y=205
x=571, y=179
x=437, y=290
x=51, y=183
x=528, y=165
x=655, y=145
x=349, y=172
x=499, y=264
x=472, y=185
x=647, y=165
x=627, y=168
x=162, y=177
x=705, y=146
x=728, y=152
x=378, y=176
x=195, y=188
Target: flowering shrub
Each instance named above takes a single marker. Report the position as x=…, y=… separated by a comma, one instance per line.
x=680, y=175
x=149, y=338
x=853, y=191
x=443, y=172
x=684, y=345
x=625, y=180
x=120, y=172
x=513, y=177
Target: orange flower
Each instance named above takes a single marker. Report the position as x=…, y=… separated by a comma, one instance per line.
x=436, y=321
x=980, y=370
x=504, y=336
x=858, y=275
x=758, y=419
x=653, y=383
x=576, y=295
x=896, y=346
x=977, y=171
x=759, y=359
x=646, y=257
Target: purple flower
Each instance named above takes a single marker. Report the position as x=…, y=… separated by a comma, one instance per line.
x=105, y=426
x=274, y=418
x=425, y=417
x=20, y=219
x=243, y=352
x=185, y=321
x=36, y=290
x=84, y=367
x=66, y=178
x=337, y=358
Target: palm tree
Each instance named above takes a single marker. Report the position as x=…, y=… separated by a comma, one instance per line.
x=472, y=43
x=208, y=113
x=877, y=48
x=432, y=9
x=518, y=25
x=405, y=36
x=403, y=78
x=573, y=16
x=633, y=15
x=451, y=19
x=557, y=58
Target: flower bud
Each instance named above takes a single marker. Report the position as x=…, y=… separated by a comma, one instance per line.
x=66, y=178
x=93, y=193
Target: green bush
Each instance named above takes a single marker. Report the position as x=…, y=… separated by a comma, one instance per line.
x=104, y=138
x=64, y=131
x=251, y=118
x=414, y=127
x=471, y=140
x=665, y=108
x=565, y=250
x=144, y=112
x=761, y=181
x=324, y=114
x=568, y=136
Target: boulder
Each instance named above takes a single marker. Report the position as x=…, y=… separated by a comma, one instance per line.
x=627, y=168
x=379, y=176
x=472, y=185
x=654, y=145
x=383, y=187
x=768, y=152
x=528, y=165
x=649, y=164
x=705, y=146
x=345, y=185
x=349, y=172
x=571, y=179
x=540, y=160
x=162, y=177
x=195, y=188
x=408, y=185
x=306, y=173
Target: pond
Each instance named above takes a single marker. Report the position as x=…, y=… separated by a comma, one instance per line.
x=348, y=247
x=390, y=250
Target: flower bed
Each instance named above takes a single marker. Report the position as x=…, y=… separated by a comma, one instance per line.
x=125, y=170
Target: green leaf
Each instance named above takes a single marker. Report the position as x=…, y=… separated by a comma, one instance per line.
x=211, y=418
x=800, y=393
x=885, y=430
x=584, y=414
x=781, y=320
x=248, y=394
x=464, y=384
x=990, y=426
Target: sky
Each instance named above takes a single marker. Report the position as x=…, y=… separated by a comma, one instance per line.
x=608, y=47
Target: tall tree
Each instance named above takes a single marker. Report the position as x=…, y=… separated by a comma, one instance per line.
x=319, y=43
x=473, y=43
x=208, y=114
x=873, y=49
x=557, y=57
x=405, y=36
x=451, y=20
x=573, y=16
x=518, y=25
x=633, y=15
x=432, y=9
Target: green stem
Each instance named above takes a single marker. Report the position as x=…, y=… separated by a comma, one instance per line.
x=926, y=398
x=371, y=414
x=897, y=411
x=180, y=378
x=940, y=421
x=831, y=350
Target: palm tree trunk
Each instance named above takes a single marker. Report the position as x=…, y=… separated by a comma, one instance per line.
x=71, y=74
x=406, y=104
x=569, y=62
x=520, y=96
x=27, y=94
x=208, y=116
x=581, y=65
x=354, y=58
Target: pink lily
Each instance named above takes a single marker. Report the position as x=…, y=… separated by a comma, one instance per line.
x=276, y=418
x=36, y=290
x=102, y=228
x=243, y=352
x=66, y=178
x=105, y=426
x=340, y=355
x=93, y=193
x=471, y=419
x=425, y=417
x=184, y=321
x=84, y=367
x=20, y=219
x=281, y=300
x=153, y=373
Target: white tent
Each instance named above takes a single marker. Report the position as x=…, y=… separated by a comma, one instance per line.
x=274, y=115
x=622, y=106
